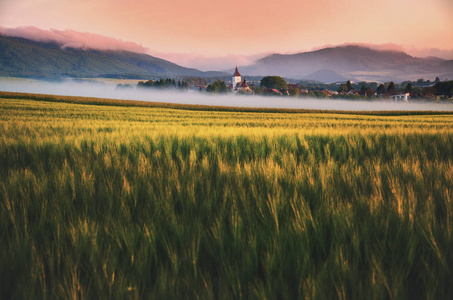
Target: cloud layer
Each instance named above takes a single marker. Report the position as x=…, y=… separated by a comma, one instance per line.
x=72, y=39
x=85, y=40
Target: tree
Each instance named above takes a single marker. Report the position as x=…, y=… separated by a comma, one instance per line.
x=218, y=87
x=444, y=88
x=274, y=82
x=437, y=80
x=146, y=84
x=381, y=89
x=391, y=87
x=311, y=94
x=245, y=92
x=322, y=94
x=349, y=85
x=294, y=92
x=183, y=85
x=408, y=88
x=429, y=92
x=195, y=80
x=362, y=90
x=373, y=85
x=123, y=86
x=343, y=88
x=257, y=90
x=369, y=92
x=416, y=91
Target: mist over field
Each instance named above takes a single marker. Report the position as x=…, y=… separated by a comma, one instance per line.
x=104, y=88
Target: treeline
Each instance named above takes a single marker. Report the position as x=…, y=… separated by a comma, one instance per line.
x=278, y=86
x=217, y=87
x=164, y=84
x=420, y=89
x=444, y=88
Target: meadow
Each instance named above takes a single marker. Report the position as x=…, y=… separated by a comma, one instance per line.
x=104, y=199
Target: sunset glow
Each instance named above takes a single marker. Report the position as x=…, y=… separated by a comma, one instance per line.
x=246, y=27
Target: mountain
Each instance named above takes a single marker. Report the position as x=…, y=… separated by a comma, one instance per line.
x=20, y=57
x=327, y=76
x=351, y=61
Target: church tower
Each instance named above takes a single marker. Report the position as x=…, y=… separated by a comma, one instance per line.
x=236, y=78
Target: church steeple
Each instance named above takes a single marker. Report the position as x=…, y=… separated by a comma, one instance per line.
x=236, y=79
x=236, y=73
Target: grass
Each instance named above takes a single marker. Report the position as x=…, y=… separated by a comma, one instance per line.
x=106, y=201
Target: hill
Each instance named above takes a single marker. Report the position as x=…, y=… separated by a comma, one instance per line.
x=351, y=61
x=327, y=76
x=20, y=57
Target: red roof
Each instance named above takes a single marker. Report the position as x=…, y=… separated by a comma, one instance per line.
x=244, y=84
x=236, y=73
x=273, y=90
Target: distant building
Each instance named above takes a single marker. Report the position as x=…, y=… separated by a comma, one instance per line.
x=237, y=78
x=331, y=93
x=243, y=86
x=273, y=92
x=401, y=97
x=237, y=84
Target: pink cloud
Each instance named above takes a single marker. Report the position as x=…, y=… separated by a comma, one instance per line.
x=430, y=52
x=209, y=63
x=72, y=39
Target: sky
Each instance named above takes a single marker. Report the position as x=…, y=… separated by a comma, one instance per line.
x=242, y=29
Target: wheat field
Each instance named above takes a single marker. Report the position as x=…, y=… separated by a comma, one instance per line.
x=103, y=199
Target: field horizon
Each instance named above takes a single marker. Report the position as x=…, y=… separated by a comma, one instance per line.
x=87, y=100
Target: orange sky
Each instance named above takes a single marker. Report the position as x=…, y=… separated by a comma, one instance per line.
x=213, y=28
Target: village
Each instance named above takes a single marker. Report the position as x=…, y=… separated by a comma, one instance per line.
x=406, y=91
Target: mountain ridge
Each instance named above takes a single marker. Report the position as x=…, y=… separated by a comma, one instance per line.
x=20, y=57
x=351, y=61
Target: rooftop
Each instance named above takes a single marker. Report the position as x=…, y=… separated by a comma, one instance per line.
x=236, y=73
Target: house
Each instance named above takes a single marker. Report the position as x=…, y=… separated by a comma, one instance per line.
x=243, y=86
x=331, y=93
x=272, y=92
x=401, y=97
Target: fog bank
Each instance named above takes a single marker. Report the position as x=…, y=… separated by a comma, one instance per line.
x=107, y=89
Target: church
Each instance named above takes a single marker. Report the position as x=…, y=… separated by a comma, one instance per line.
x=237, y=84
